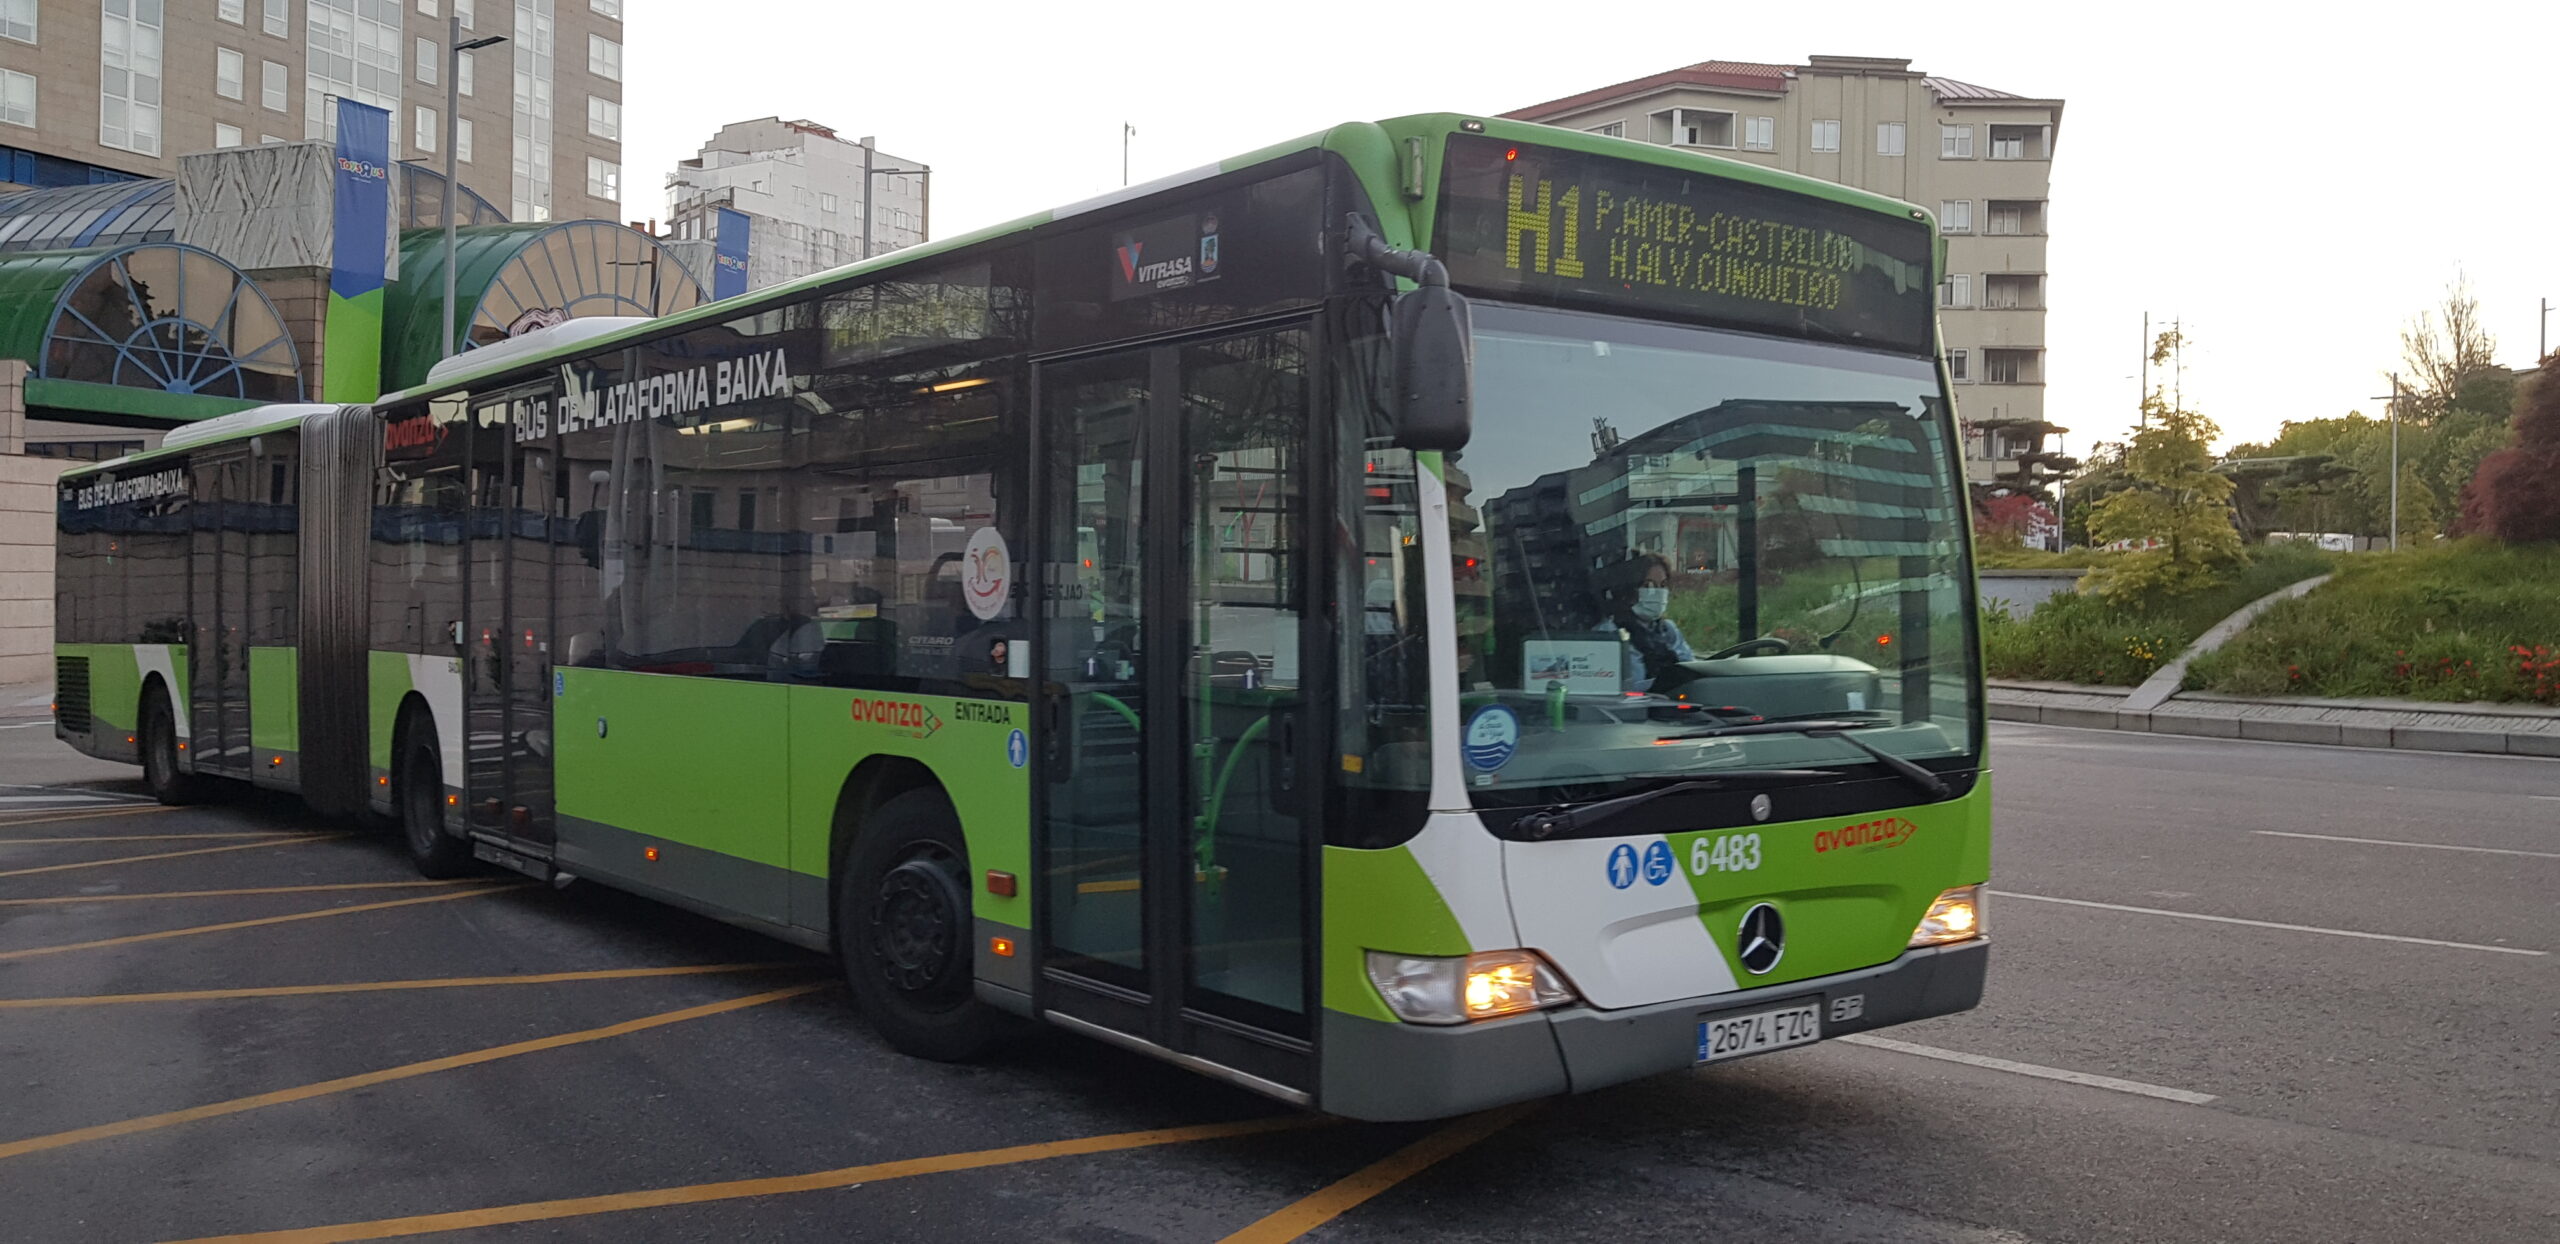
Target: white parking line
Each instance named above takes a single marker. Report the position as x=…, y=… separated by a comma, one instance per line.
x=2394, y=842
x=25, y=725
x=2109, y=1083
x=2272, y=924
x=6, y=799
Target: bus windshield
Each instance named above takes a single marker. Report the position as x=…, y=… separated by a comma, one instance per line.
x=1662, y=531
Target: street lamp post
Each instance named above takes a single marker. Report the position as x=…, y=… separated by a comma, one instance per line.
x=868, y=172
x=454, y=47
x=2394, y=412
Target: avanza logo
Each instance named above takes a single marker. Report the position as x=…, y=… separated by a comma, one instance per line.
x=415, y=437
x=906, y=715
x=1892, y=831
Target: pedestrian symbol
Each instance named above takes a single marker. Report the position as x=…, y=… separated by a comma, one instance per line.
x=1017, y=749
x=1622, y=866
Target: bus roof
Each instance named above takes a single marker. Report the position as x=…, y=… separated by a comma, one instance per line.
x=238, y=425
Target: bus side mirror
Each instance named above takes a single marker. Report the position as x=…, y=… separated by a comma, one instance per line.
x=1434, y=369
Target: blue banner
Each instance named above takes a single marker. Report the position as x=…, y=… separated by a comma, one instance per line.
x=363, y=210
x=729, y=254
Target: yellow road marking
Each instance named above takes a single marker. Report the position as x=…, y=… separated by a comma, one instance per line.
x=444, y=982
x=90, y=814
x=154, y=1122
x=815, y=1181
x=264, y=889
x=170, y=855
x=1331, y=1201
x=257, y=833
x=325, y=912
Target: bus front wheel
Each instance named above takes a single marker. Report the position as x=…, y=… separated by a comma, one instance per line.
x=160, y=771
x=904, y=933
x=436, y=853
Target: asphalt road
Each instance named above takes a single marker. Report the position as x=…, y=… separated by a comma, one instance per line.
x=2363, y=1045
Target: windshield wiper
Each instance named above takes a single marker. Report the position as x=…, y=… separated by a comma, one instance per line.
x=1835, y=728
x=1562, y=818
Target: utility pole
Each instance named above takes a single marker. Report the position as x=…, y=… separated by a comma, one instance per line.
x=2394, y=412
x=2542, y=340
x=867, y=184
x=2142, y=418
x=1127, y=132
x=454, y=47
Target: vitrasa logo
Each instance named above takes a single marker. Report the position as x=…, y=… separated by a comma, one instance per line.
x=113, y=491
x=1892, y=831
x=1134, y=270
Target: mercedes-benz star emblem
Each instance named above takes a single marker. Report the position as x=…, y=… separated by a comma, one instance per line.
x=1759, y=807
x=1762, y=939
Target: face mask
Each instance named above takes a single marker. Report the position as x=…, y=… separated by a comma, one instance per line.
x=1651, y=602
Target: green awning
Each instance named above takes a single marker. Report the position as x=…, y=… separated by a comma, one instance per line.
x=512, y=279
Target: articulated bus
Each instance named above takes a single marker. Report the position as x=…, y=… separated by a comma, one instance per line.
x=1434, y=614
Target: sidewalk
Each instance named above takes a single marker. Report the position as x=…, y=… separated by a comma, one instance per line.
x=2405, y=725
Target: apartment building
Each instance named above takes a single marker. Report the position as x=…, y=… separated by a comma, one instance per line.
x=102, y=90
x=813, y=200
x=1980, y=158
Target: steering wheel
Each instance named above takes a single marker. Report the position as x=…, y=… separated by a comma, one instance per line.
x=1766, y=643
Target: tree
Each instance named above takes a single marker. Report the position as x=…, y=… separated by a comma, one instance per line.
x=2515, y=497
x=2178, y=510
x=2447, y=352
x=2419, y=520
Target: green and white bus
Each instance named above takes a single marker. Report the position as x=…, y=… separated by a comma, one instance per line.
x=1432, y=614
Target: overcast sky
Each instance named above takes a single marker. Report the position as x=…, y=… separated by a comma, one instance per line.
x=2292, y=188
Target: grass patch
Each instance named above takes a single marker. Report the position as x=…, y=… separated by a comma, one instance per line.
x=2085, y=639
x=2038, y=559
x=2460, y=621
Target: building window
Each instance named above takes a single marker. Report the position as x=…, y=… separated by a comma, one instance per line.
x=604, y=117
x=17, y=97
x=604, y=179
x=1826, y=136
x=423, y=134
x=354, y=53
x=225, y=136
x=462, y=11
x=462, y=139
x=230, y=71
x=1955, y=142
x=2018, y=142
x=610, y=8
x=1889, y=138
x=604, y=58
x=1760, y=133
x=276, y=19
x=427, y=58
x=1693, y=127
x=268, y=138
x=2013, y=292
x=273, y=86
x=1614, y=129
x=18, y=20
x=2009, y=367
x=428, y=7
x=826, y=202
x=1955, y=367
x=235, y=12
x=2017, y=216
x=1956, y=291
x=129, y=77
x=1955, y=215
x=534, y=121
x=462, y=73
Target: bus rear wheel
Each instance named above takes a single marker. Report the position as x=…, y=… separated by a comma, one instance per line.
x=160, y=771
x=421, y=793
x=905, y=935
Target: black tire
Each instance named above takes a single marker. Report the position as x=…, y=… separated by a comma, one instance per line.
x=904, y=933
x=420, y=790
x=159, y=745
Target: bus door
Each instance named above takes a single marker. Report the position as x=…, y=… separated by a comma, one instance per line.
x=507, y=669
x=1175, y=856
x=218, y=657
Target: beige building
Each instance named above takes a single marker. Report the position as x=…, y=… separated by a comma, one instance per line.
x=813, y=199
x=92, y=88
x=1981, y=159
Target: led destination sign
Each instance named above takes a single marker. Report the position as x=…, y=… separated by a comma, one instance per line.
x=1548, y=225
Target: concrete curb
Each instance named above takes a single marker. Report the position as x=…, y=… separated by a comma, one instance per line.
x=2400, y=725
x=2165, y=681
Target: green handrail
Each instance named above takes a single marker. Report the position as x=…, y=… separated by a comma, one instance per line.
x=1117, y=705
x=1206, y=850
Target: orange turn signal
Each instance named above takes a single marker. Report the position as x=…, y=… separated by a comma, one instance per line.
x=650, y=854
x=1000, y=884
x=1002, y=946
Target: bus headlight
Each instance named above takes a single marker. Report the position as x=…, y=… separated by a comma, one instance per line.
x=1955, y=917
x=1485, y=985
